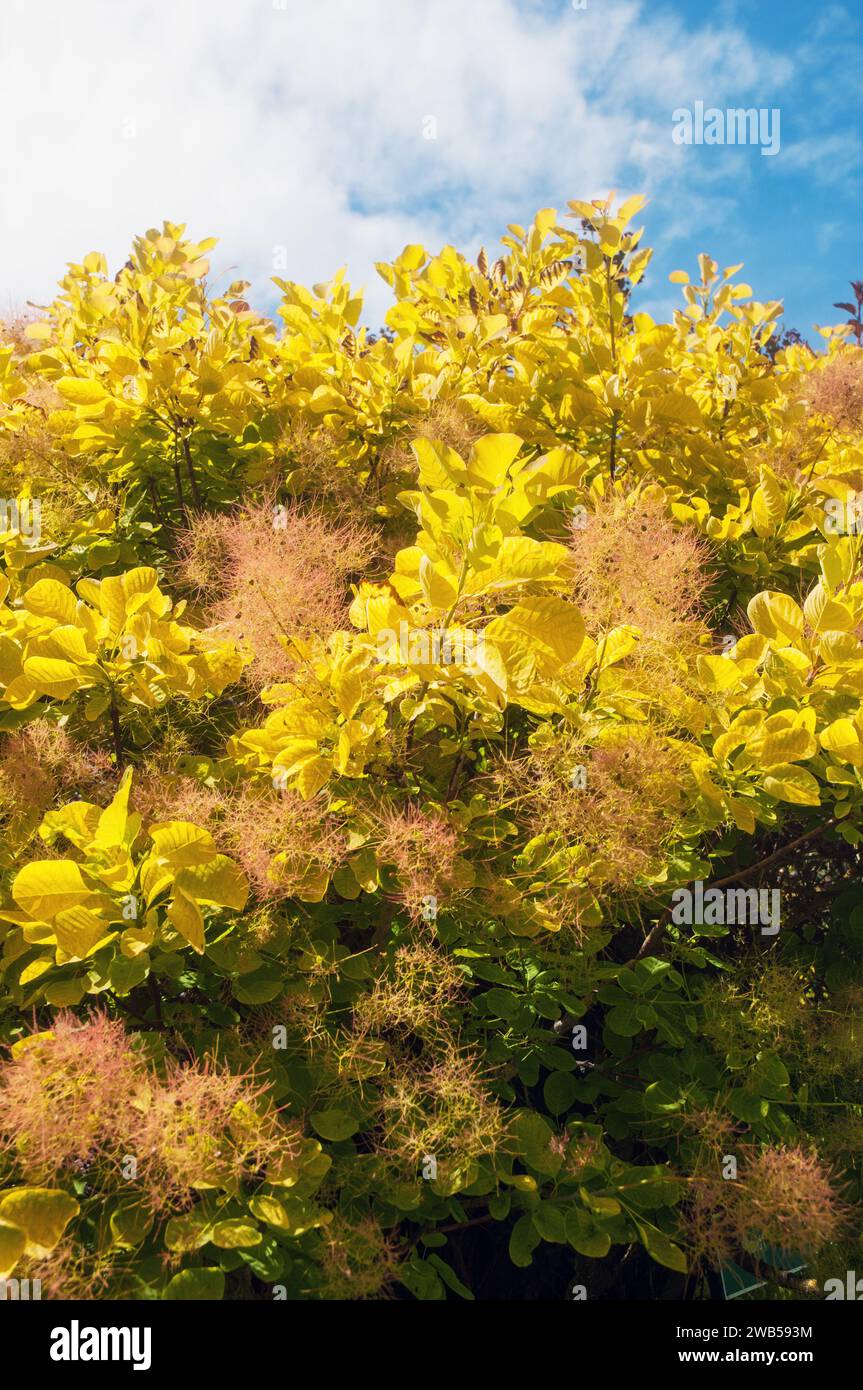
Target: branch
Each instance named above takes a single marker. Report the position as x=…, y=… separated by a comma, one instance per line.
x=657, y=932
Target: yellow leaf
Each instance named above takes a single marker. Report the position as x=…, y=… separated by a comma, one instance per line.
x=79, y=929
x=347, y=683
x=269, y=1209
x=81, y=390
x=616, y=645
x=836, y=647
x=776, y=616
x=50, y=599
x=485, y=667
x=42, y=1213
x=438, y=590
x=185, y=915
x=740, y=732
x=741, y=814
x=586, y=211
x=49, y=676
x=220, y=882
x=768, y=505
x=823, y=613
x=842, y=739
x=12, y=1243
x=325, y=398
x=180, y=843
x=705, y=782
x=718, y=672
x=64, y=643
x=48, y=886
x=235, y=1234
x=439, y=465
x=112, y=822
x=628, y=209
x=154, y=876
x=537, y=637
x=293, y=753
x=77, y=821
x=676, y=407
x=36, y=968
x=770, y=747
x=118, y=594
x=560, y=470
x=545, y=220
x=519, y=558
x=313, y=775
x=490, y=459
x=789, y=783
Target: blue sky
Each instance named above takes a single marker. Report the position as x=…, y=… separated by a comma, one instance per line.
x=795, y=219
x=298, y=130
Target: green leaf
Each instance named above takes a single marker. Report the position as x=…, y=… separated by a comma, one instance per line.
x=660, y=1248
x=334, y=1124
x=450, y=1278
x=748, y=1107
x=202, y=1283
x=420, y=1279
x=523, y=1240
x=235, y=1234
x=585, y=1235
x=130, y=1223
x=623, y=1020
x=266, y=1261
x=188, y=1231
x=559, y=1091
x=550, y=1222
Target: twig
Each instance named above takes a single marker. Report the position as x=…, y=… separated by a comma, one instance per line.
x=657, y=932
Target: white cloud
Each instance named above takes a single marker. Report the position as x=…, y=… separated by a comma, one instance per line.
x=302, y=127
x=826, y=158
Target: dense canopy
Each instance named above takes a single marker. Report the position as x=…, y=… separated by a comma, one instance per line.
x=430, y=780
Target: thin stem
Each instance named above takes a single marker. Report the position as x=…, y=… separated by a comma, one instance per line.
x=178, y=481
x=119, y=752
x=657, y=932
x=193, y=482
x=156, y=500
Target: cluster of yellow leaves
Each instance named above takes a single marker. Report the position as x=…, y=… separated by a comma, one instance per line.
x=157, y=384
x=471, y=547
x=180, y=396
x=787, y=698
x=119, y=634
x=67, y=911
x=137, y=361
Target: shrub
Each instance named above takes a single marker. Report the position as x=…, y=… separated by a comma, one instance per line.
x=429, y=777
